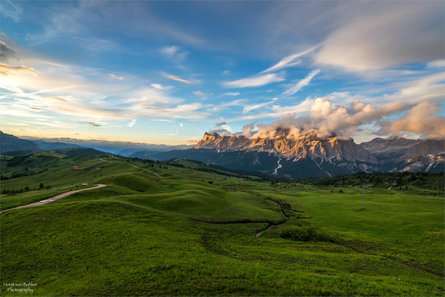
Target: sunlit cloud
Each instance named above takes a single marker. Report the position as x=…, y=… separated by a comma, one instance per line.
x=199, y=93
x=176, y=78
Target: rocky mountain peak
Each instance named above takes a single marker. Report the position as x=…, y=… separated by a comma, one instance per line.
x=304, y=146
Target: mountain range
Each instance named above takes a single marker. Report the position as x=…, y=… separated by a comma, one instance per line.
x=311, y=156
x=306, y=155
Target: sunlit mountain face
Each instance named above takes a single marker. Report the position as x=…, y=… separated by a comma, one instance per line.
x=167, y=72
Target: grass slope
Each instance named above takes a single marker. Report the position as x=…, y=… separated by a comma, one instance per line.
x=149, y=232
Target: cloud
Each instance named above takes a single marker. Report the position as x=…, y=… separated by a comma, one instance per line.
x=230, y=94
x=93, y=124
x=6, y=53
x=386, y=37
x=290, y=61
x=172, y=77
x=325, y=120
x=114, y=76
x=7, y=70
x=249, y=108
x=55, y=89
x=221, y=124
x=426, y=88
x=420, y=120
x=199, y=93
x=302, y=83
x=175, y=53
x=247, y=130
x=131, y=123
x=160, y=86
x=222, y=132
x=223, y=106
x=10, y=9
x=436, y=63
x=254, y=81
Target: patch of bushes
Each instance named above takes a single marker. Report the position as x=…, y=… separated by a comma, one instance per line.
x=306, y=233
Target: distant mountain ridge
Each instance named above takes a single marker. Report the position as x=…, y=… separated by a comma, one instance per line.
x=11, y=143
x=312, y=156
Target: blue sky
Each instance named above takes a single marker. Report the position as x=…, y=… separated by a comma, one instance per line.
x=166, y=72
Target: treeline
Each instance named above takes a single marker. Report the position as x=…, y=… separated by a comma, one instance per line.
x=393, y=180
x=25, y=189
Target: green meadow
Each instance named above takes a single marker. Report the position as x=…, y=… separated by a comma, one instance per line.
x=181, y=228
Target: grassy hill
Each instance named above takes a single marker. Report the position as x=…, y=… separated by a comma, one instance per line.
x=181, y=228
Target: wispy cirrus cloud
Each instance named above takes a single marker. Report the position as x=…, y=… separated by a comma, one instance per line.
x=177, y=78
x=254, y=81
x=10, y=9
x=230, y=94
x=302, y=83
x=291, y=60
x=249, y=108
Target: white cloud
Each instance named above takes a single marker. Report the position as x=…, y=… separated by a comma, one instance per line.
x=175, y=53
x=230, y=94
x=254, y=81
x=118, y=77
x=291, y=60
x=223, y=106
x=436, y=63
x=160, y=86
x=131, y=123
x=302, y=83
x=249, y=108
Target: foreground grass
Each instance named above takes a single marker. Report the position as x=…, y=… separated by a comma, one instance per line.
x=137, y=237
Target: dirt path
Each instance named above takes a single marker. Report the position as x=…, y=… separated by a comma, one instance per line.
x=60, y=196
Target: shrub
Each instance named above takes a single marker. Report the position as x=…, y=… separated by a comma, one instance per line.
x=306, y=233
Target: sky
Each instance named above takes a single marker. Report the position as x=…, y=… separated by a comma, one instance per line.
x=168, y=71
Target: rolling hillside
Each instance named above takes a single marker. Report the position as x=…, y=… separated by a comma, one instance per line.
x=171, y=229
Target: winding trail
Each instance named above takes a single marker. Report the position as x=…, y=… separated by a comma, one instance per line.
x=60, y=196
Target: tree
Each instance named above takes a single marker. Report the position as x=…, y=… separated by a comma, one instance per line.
x=41, y=186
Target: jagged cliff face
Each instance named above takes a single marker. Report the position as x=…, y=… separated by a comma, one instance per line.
x=306, y=146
